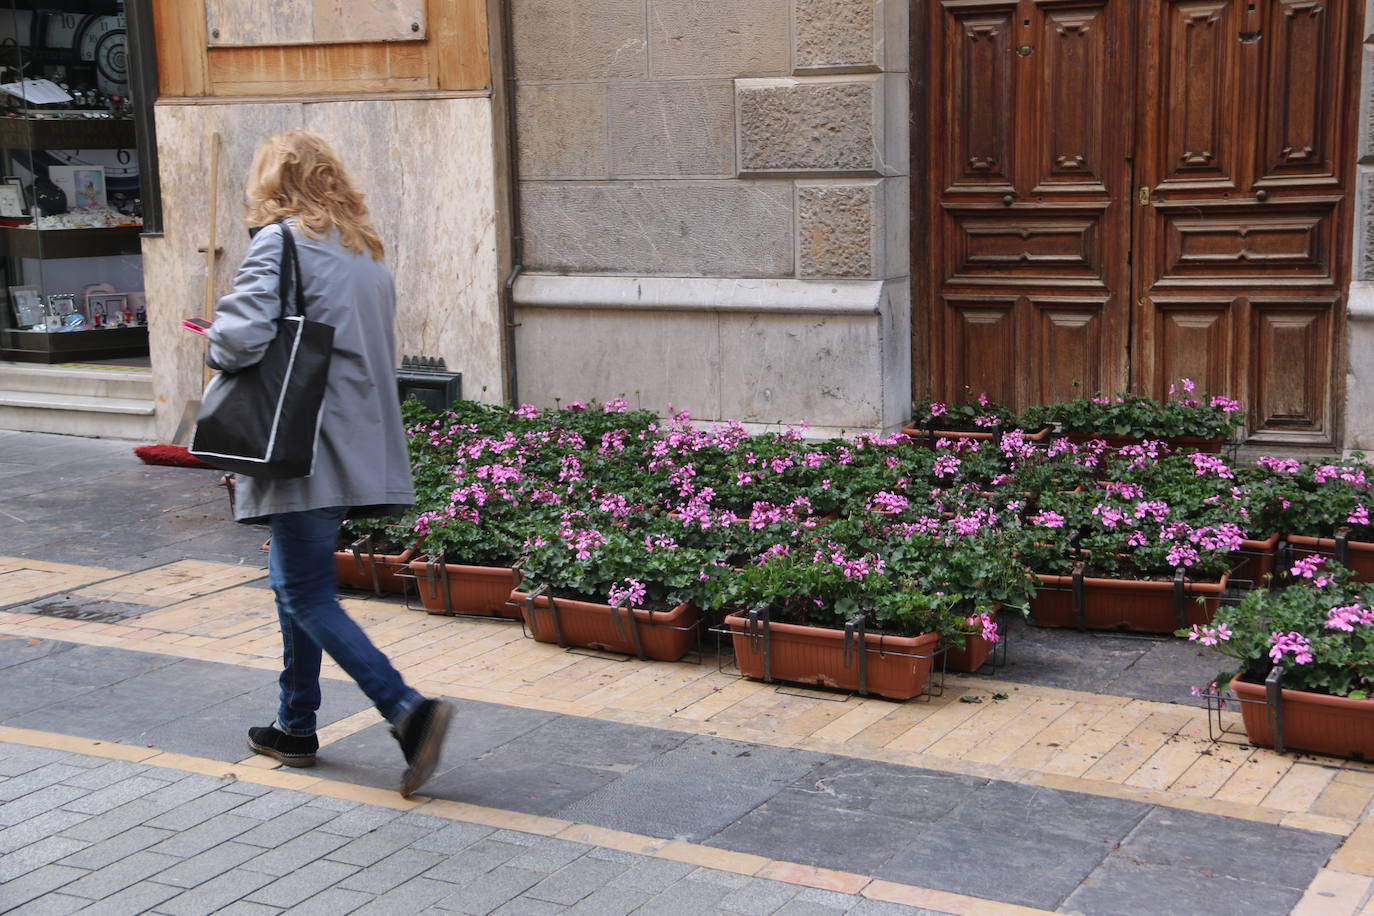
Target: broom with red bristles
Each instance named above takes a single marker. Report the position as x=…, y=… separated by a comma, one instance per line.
x=178, y=456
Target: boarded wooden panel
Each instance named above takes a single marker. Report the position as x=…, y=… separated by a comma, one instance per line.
x=459, y=39
x=276, y=22
x=179, y=29
x=297, y=69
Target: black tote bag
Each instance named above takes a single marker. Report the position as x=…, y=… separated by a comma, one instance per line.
x=263, y=421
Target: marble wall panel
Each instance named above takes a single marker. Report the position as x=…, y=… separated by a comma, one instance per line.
x=427, y=169
x=269, y=22
x=707, y=39
x=579, y=39
x=824, y=370
x=673, y=129
x=896, y=358
x=667, y=228
x=561, y=130
x=653, y=359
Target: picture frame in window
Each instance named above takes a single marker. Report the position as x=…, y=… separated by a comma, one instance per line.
x=11, y=202
x=106, y=310
x=27, y=303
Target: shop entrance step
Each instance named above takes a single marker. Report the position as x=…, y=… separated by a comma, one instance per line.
x=104, y=403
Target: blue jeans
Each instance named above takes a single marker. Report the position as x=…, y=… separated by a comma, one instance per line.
x=301, y=572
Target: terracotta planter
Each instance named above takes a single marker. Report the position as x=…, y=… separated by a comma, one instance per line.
x=1314, y=722
x=662, y=635
x=1360, y=557
x=971, y=655
x=897, y=667
x=354, y=569
x=1177, y=443
x=479, y=591
x=1123, y=604
x=917, y=432
x=1257, y=559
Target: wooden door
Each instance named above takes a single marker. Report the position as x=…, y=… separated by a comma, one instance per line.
x=1243, y=171
x=1029, y=197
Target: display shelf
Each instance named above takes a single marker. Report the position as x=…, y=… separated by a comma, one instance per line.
x=72, y=346
x=52, y=244
x=67, y=133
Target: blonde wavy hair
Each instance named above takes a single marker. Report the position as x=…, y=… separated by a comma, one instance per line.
x=296, y=174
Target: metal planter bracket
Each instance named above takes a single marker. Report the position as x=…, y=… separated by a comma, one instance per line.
x=437, y=577
x=1079, y=607
x=758, y=630
x=1343, y=547
x=855, y=642
x=533, y=615
x=358, y=546
x=1273, y=693
x=1180, y=596
x=620, y=627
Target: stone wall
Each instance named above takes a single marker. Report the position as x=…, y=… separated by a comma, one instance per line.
x=1359, y=406
x=714, y=206
x=427, y=168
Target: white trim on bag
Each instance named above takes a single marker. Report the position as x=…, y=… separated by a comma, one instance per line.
x=281, y=400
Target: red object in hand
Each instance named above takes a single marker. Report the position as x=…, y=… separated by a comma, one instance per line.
x=196, y=325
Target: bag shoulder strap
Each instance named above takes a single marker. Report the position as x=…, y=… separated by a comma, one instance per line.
x=290, y=266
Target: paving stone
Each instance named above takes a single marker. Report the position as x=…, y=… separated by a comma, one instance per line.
x=207, y=835
x=38, y=778
x=52, y=905
x=117, y=821
x=333, y=902
x=413, y=896
x=652, y=875
x=246, y=908
x=272, y=803
x=212, y=862
x=105, y=852
x=358, y=820
x=192, y=786
x=615, y=855
x=719, y=878
x=799, y=907
x=132, y=901
x=36, y=828
x=39, y=882
x=549, y=855
x=332, y=804
x=294, y=853
x=112, y=796
x=528, y=906
x=426, y=821
x=116, y=876
x=684, y=899
x=36, y=855
x=393, y=871
x=575, y=881
x=495, y=888
x=285, y=826
x=187, y=815
x=609, y=901
x=215, y=894
x=517, y=837
x=298, y=886
x=35, y=803
x=869, y=907
x=109, y=773
x=451, y=839
x=20, y=759
x=1124, y=888
x=648, y=798
x=374, y=846
x=251, y=789
x=475, y=861
x=758, y=897
x=825, y=898
x=1209, y=845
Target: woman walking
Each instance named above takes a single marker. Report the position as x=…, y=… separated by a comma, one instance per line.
x=297, y=185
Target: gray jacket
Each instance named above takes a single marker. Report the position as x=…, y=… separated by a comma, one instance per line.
x=360, y=459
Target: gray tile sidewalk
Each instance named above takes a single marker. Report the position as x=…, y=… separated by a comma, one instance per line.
x=224, y=847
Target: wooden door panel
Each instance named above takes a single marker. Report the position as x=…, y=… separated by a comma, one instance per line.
x=1000, y=246
x=978, y=48
x=1199, y=43
x=1068, y=348
x=1302, y=60
x=1281, y=244
x=1195, y=341
x=1076, y=144
x=982, y=343
x=1291, y=364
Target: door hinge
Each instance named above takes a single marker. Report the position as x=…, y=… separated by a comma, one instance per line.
x=1144, y=197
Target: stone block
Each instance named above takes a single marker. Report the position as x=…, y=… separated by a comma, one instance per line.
x=708, y=39
x=653, y=359
x=839, y=36
x=678, y=129
x=1366, y=129
x=671, y=228
x=1364, y=223
x=819, y=125
x=896, y=355
x=578, y=39
x=854, y=230
x=561, y=130
x=824, y=370
x=1359, y=388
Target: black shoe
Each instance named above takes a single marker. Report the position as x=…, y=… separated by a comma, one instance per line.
x=421, y=737
x=292, y=750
